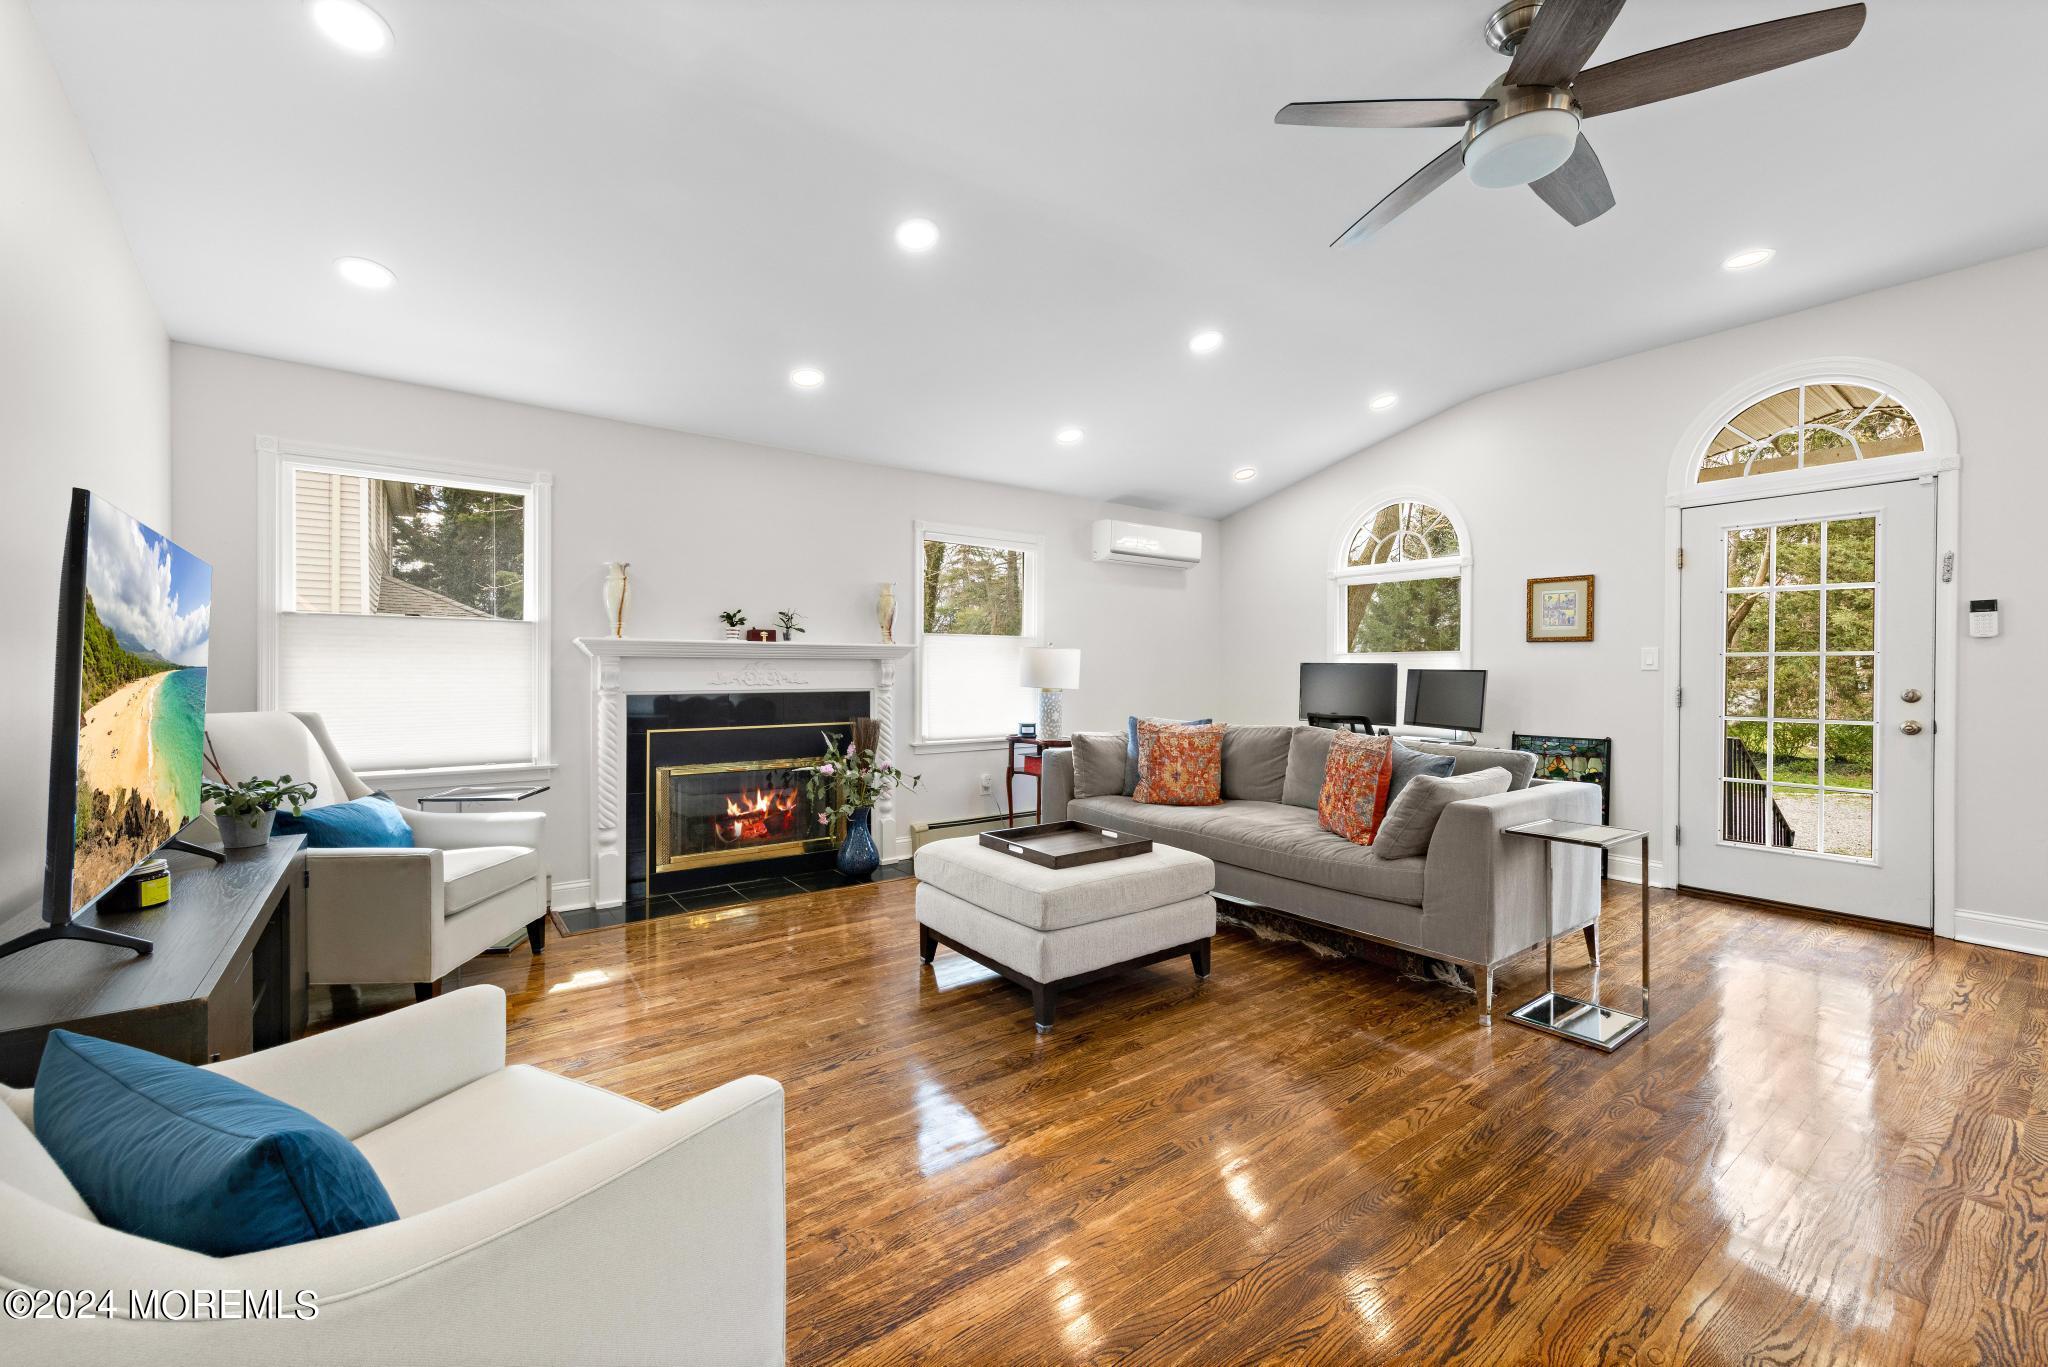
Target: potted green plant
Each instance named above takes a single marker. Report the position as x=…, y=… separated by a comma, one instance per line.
x=734, y=619
x=244, y=811
x=787, y=622
x=845, y=785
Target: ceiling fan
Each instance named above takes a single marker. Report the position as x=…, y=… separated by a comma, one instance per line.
x=1525, y=129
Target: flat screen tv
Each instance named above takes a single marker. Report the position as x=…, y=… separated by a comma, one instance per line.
x=129, y=721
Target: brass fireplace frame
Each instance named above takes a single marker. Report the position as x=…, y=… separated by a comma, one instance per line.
x=657, y=817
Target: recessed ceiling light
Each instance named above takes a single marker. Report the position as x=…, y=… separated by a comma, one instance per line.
x=1069, y=436
x=917, y=235
x=1244, y=474
x=1205, y=341
x=1749, y=259
x=1380, y=403
x=807, y=377
x=364, y=273
x=351, y=24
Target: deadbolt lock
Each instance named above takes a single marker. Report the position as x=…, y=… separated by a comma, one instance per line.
x=1910, y=695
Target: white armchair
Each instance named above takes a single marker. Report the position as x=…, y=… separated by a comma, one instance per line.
x=404, y=915
x=540, y=1219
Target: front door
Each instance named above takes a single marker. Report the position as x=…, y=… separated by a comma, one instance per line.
x=1806, y=720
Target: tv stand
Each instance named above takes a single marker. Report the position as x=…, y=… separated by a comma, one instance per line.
x=71, y=930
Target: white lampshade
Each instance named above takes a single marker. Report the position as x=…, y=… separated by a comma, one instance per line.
x=1050, y=667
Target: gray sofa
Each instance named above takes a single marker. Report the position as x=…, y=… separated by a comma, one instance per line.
x=1476, y=898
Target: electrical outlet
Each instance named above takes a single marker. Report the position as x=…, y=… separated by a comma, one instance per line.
x=988, y=785
x=1649, y=657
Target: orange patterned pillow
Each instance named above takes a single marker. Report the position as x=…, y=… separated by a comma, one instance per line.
x=1355, y=785
x=1179, y=766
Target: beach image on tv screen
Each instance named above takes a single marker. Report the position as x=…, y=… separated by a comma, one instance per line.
x=142, y=700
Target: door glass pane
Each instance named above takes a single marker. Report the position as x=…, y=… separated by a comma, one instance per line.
x=1746, y=750
x=1798, y=621
x=1748, y=686
x=1799, y=553
x=1849, y=757
x=1795, y=752
x=1749, y=557
x=1749, y=621
x=1796, y=824
x=1799, y=696
x=1849, y=825
x=1795, y=688
x=1746, y=817
x=1852, y=619
x=1852, y=550
x=1852, y=687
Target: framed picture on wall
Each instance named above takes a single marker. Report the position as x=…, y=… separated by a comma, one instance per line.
x=1561, y=608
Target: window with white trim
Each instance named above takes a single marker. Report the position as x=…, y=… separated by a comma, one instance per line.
x=1400, y=591
x=1809, y=426
x=409, y=605
x=977, y=609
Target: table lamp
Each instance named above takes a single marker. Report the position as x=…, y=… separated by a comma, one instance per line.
x=1050, y=669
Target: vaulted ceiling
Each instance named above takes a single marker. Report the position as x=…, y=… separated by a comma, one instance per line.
x=653, y=211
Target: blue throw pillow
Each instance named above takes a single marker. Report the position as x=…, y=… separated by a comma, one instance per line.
x=1131, y=748
x=1409, y=763
x=368, y=823
x=170, y=1152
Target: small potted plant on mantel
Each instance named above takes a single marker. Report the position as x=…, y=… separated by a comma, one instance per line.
x=734, y=619
x=786, y=623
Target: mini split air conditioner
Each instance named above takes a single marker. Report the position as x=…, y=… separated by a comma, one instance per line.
x=1133, y=543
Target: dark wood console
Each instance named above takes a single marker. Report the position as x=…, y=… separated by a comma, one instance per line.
x=228, y=975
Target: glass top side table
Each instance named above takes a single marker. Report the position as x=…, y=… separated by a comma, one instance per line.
x=1556, y=1013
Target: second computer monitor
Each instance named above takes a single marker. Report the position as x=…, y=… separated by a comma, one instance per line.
x=1452, y=699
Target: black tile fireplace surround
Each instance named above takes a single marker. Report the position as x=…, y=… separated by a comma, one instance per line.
x=711, y=791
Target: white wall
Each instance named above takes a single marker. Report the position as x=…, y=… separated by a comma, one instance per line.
x=83, y=379
x=1568, y=475
x=707, y=524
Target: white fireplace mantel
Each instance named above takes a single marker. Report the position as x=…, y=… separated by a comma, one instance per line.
x=620, y=666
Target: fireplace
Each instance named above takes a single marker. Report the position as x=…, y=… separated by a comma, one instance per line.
x=711, y=814
x=716, y=785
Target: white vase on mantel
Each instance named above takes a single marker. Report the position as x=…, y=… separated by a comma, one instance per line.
x=615, y=595
x=885, y=613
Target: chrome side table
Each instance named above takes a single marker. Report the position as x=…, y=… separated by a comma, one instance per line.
x=1556, y=1013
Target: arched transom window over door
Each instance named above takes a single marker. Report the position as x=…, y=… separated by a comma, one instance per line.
x=1809, y=426
x=1399, y=589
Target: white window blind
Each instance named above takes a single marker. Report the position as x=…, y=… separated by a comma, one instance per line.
x=970, y=687
x=413, y=692
x=408, y=608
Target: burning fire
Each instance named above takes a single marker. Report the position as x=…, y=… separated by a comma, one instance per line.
x=756, y=814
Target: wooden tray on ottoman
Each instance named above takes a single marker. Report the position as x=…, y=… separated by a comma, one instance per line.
x=1065, y=844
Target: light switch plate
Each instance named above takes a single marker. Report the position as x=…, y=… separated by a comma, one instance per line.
x=1649, y=657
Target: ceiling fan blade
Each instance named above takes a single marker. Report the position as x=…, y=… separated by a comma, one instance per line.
x=1578, y=190
x=1405, y=196
x=1702, y=63
x=1382, y=113
x=1561, y=41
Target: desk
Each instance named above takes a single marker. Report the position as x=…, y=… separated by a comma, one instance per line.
x=1030, y=765
x=228, y=975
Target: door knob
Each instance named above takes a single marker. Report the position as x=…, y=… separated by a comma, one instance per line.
x=1911, y=728
x=1910, y=695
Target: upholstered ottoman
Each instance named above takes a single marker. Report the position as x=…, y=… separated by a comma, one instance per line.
x=1052, y=929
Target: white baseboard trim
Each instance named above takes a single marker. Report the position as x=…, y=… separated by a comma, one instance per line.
x=2002, y=932
x=1629, y=869
x=569, y=894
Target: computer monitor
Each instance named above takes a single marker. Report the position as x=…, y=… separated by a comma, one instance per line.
x=1355, y=694
x=1454, y=699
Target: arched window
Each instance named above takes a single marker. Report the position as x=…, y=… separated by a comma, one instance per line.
x=1809, y=426
x=1398, y=591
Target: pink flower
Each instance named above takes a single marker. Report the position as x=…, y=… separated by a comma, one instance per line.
x=824, y=820
x=828, y=769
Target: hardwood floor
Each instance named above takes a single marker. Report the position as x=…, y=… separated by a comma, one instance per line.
x=1830, y=1147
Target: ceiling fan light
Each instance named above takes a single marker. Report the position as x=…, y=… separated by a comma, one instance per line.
x=1525, y=148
